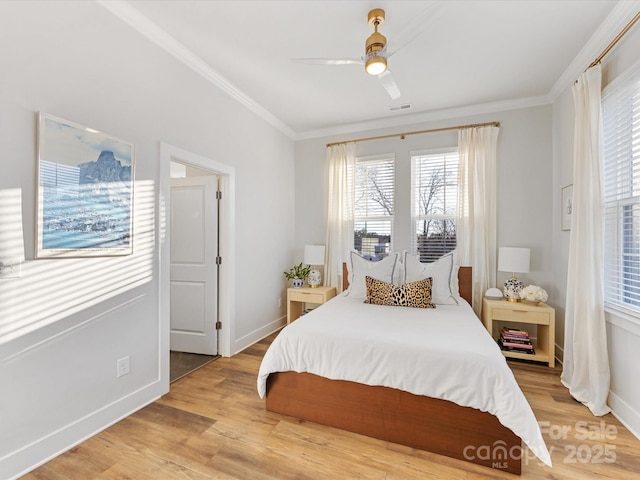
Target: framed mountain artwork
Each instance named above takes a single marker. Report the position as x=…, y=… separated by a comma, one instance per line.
x=85, y=191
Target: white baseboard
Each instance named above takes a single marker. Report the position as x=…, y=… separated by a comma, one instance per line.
x=22, y=461
x=624, y=412
x=559, y=353
x=257, y=335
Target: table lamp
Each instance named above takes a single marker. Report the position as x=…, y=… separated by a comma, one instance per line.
x=514, y=260
x=314, y=256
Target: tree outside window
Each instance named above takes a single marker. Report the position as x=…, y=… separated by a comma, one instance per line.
x=374, y=207
x=435, y=193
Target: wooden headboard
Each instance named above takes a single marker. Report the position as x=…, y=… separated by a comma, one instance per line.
x=464, y=282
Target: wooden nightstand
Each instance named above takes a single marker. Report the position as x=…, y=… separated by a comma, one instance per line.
x=498, y=313
x=297, y=297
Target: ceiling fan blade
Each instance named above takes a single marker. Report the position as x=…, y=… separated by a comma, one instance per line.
x=416, y=27
x=389, y=84
x=329, y=61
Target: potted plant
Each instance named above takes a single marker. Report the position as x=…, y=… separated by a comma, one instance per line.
x=298, y=274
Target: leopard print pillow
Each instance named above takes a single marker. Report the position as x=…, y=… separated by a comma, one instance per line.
x=414, y=294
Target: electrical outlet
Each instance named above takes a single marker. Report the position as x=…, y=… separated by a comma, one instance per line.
x=279, y=302
x=123, y=366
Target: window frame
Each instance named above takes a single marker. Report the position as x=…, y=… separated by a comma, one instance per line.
x=360, y=160
x=415, y=216
x=619, y=195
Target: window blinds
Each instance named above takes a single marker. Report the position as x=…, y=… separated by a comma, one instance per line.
x=374, y=206
x=621, y=177
x=434, y=179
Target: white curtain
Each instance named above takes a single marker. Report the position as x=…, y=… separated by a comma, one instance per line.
x=340, y=194
x=476, y=218
x=586, y=363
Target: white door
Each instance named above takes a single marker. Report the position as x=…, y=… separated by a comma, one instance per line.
x=194, y=272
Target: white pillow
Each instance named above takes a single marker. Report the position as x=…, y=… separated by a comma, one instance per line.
x=361, y=267
x=455, y=287
x=398, y=273
x=441, y=271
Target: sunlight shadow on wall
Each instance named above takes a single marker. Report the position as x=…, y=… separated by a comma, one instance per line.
x=11, y=238
x=50, y=290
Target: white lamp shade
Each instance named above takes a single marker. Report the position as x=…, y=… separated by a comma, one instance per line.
x=513, y=259
x=314, y=254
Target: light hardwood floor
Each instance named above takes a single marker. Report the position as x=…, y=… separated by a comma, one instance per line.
x=213, y=425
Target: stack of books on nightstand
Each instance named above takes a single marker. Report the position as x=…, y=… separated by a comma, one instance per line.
x=515, y=340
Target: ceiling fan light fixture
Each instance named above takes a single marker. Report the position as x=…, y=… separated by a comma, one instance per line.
x=375, y=65
x=376, y=62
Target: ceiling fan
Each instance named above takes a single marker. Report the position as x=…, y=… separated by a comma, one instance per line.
x=377, y=52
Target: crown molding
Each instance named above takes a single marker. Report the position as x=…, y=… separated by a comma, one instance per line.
x=140, y=23
x=620, y=16
x=430, y=116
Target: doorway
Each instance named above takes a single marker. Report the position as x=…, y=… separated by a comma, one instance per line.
x=178, y=255
x=193, y=212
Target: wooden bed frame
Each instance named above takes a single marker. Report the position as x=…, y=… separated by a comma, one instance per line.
x=393, y=415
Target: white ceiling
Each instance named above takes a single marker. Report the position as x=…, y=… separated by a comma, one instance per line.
x=469, y=56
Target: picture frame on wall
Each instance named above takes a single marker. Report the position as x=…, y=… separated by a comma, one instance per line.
x=567, y=207
x=84, y=191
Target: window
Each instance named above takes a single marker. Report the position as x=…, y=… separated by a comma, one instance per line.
x=434, y=180
x=373, y=211
x=621, y=142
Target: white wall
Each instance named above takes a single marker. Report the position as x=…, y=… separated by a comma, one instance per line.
x=64, y=323
x=623, y=332
x=524, y=183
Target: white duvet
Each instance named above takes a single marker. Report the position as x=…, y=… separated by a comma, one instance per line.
x=442, y=353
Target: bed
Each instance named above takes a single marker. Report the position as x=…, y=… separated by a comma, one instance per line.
x=431, y=379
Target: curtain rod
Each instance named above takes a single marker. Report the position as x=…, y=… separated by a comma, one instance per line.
x=419, y=132
x=615, y=40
